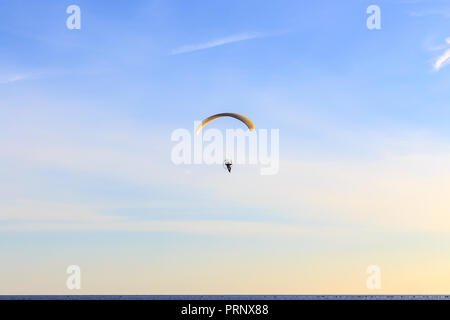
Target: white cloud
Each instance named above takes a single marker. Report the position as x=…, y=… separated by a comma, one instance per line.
x=439, y=12
x=217, y=42
x=444, y=58
x=13, y=78
x=442, y=61
x=199, y=227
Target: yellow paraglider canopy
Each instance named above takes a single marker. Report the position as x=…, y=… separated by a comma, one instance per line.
x=240, y=117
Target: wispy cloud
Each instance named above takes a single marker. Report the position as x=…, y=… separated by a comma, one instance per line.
x=439, y=12
x=13, y=78
x=219, y=42
x=444, y=59
x=197, y=227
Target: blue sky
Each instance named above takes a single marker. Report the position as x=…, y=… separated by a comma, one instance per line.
x=86, y=117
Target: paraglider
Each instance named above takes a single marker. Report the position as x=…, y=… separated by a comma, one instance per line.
x=227, y=164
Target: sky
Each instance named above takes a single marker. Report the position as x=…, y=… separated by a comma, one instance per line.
x=86, y=118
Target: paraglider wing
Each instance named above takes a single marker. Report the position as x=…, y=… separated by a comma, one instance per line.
x=240, y=117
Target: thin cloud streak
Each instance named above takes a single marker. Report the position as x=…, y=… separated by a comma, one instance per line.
x=195, y=227
x=442, y=61
x=218, y=42
x=13, y=78
x=440, y=12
